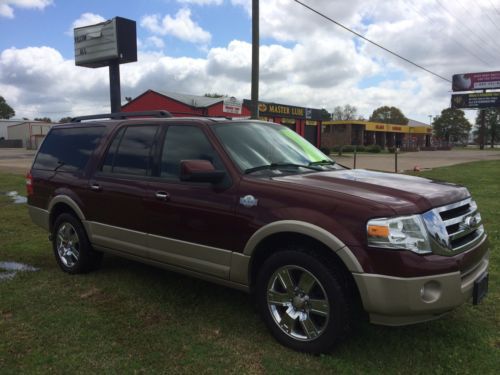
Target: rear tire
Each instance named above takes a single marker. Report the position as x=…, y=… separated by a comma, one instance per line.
x=302, y=302
x=71, y=246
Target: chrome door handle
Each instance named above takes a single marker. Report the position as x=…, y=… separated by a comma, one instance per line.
x=161, y=195
x=95, y=187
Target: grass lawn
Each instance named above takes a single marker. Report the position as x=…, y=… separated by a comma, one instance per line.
x=128, y=317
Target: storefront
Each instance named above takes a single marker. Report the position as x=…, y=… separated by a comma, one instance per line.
x=365, y=133
x=305, y=121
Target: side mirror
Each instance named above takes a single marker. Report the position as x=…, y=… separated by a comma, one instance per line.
x=200, y=171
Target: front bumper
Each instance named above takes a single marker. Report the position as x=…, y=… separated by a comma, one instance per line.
x=397, y=301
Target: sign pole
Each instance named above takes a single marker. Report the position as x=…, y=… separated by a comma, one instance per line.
x=114, y=86
x=481, y=129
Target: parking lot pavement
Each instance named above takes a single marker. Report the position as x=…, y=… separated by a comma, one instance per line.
x=411, y=160
x=17, y=160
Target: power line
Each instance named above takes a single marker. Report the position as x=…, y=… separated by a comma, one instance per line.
x=370, y=41
x=479, y=37
x=487, y=15
x=450, y=36
x=494, y=7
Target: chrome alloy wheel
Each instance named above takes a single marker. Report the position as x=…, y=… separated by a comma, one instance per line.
x=298, y=303
x=68, y=244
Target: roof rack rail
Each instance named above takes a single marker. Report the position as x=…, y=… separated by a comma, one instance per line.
x=123, y=115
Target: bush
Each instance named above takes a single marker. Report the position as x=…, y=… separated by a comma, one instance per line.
x=374, y=149
x=325, y=150
x=360, y=148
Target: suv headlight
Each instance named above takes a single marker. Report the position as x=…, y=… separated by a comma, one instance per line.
x=404, y=232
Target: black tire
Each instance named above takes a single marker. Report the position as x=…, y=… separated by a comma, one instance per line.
x=315, y=317
x=71, y=246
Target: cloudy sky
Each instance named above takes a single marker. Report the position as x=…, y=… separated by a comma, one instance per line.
x=200, y=46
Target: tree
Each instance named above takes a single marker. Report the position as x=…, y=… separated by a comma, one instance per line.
x=389, y=115
x=215, y=95
x=64, y=120
x=43, y=119
x=452, y=126
x=347, y=112
x=491, y=124
x=6, y=110
x=325, y=115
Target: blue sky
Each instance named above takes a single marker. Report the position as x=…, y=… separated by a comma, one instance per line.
x=200, y=46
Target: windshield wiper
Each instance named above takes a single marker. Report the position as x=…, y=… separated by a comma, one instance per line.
x=279, y=165
x=322, y=162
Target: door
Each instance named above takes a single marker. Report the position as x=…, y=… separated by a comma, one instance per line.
x=191, y=224
x=116, y=191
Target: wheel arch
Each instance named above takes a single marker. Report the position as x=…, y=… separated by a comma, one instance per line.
x=61, y=204
x=273, y=237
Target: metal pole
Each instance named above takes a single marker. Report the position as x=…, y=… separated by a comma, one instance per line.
x=395, y=159
x=355, y=152
x=255, y=59
x=481, y=130
x=114, y=86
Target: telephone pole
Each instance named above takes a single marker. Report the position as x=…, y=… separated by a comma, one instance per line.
x=255, y=59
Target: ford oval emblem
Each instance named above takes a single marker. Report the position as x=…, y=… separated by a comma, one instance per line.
x=248, y=201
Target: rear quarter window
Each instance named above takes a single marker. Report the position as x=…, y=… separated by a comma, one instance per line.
x=68, y=149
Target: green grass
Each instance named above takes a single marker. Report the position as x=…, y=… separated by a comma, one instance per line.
x=128, y=317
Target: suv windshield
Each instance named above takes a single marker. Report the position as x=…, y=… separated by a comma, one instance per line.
x=256, y=146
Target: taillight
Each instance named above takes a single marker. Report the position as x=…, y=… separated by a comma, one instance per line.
x=29, y=184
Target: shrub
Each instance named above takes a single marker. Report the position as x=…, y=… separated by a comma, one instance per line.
x=374, y=149
x=325, y=150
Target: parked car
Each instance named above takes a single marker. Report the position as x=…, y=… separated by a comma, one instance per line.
x=253, y=206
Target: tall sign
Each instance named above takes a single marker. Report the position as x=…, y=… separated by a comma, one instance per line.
x=108, y=43
x=480, y=99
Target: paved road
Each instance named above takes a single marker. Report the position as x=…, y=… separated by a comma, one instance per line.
x=19, y=160
x=410, y=160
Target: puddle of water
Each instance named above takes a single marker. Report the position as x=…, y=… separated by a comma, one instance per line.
x=14, y=266
x=16, y=198
x=7, y=275
x=9, y=269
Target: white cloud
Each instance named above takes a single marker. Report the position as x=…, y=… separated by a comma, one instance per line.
x=7, y=6
x=86, y=19
x=155, y=42
x=180, y=26
x=201, y=2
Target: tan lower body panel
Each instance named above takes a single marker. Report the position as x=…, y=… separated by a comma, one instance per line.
x=199, y=258
x=400, y=301
x=39, y=216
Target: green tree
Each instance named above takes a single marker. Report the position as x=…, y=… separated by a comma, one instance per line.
x=389, y=115
x=325, y=115
x=347, y=112
x=64, y=120
x=6, y=110
x=43, y=119
x=491, y=124
x=215, y=95
x=452, y=126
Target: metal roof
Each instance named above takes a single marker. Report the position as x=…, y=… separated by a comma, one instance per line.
x=196, y=101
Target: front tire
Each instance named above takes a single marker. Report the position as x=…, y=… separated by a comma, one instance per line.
x=71, y=246
x=302, y=302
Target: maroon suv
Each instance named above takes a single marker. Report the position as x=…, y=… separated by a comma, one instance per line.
x=254, y=206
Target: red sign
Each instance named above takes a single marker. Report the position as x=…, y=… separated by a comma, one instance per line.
x=476, y=81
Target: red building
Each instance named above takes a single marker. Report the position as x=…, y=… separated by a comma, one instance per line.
x=305, y=121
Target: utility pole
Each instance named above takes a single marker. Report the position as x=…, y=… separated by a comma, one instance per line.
x=255, y=59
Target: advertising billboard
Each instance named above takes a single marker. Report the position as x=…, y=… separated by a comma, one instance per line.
x=476, y=100
x=476, y=81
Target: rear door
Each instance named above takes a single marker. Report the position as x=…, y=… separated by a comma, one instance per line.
x=115, y=193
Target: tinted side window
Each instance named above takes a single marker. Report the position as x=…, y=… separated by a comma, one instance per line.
x=68, y=149
x=185, y=143
x=130, y=151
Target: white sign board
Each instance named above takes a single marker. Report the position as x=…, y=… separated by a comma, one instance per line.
x=96, y=43
x=232, y=105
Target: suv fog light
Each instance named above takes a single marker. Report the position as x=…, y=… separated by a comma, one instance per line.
x=431, y=291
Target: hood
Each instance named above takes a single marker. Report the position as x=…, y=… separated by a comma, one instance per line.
x=404, y=194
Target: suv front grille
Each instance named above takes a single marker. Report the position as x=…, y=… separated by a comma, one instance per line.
x=455, y=227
